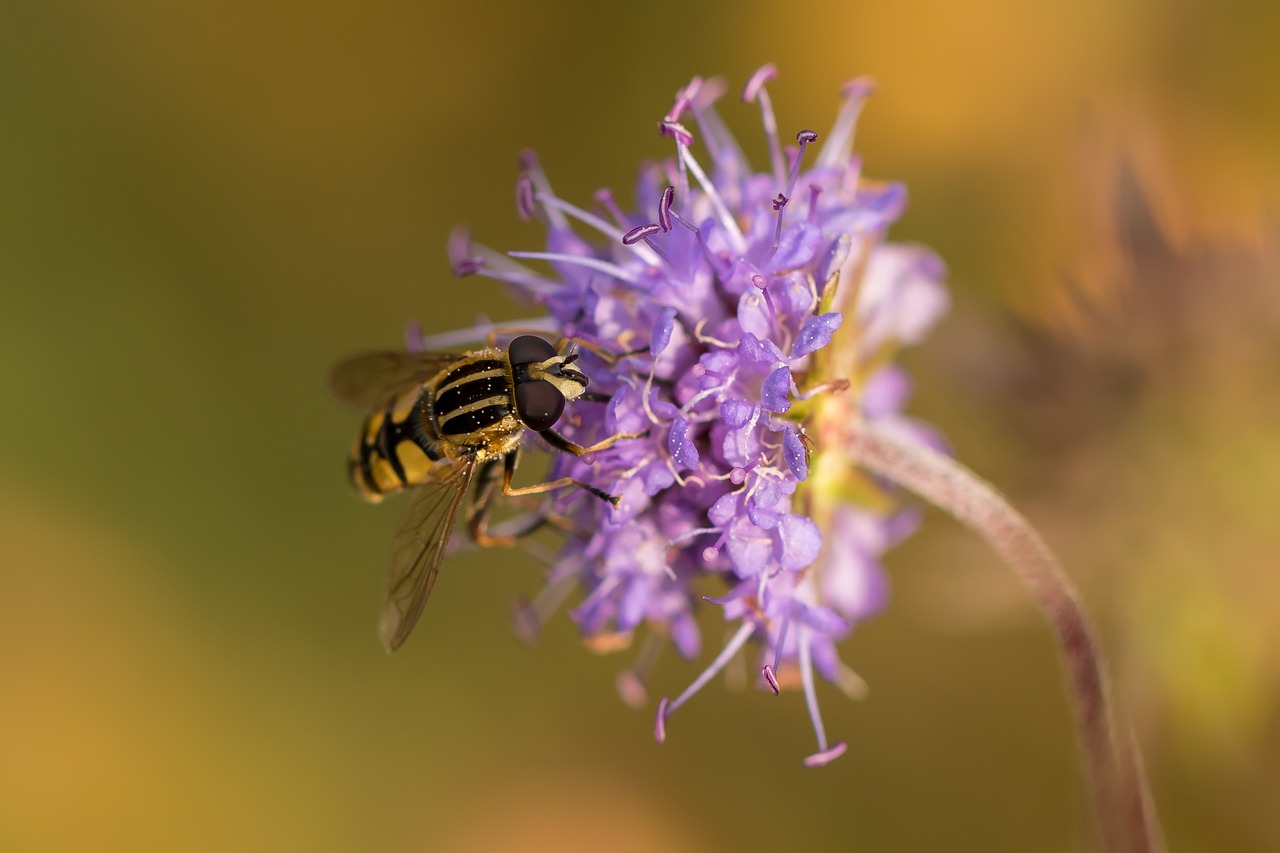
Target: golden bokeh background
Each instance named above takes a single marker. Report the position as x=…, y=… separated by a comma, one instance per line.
x=204, y=205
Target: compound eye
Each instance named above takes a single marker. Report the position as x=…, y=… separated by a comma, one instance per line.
x=539, y=403
x=528, y=349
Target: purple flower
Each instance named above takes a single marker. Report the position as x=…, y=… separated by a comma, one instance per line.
x=770, y=305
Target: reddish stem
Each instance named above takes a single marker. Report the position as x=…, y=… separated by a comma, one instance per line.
x=1121, y=797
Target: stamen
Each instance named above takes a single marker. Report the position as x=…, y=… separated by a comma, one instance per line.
x=690, y=534
x=533, y=170
x=461, y=259
x=683, y=139
x=762, y=284
x=823, y=755
x=723, y=216
x=771, y=677
x=660, y=721
x=468, y=258
x=838, y=148
x=804, y=137
x=609, y=269
x=779, y=205
x=818, y=759
x=726, y=156
x=676, y=131
x=814, y=192
x=782, y=640
x=834, y=386
x=524, y=197
x=604, y=197
x=445, y=341
x=640, y=232
x=664, y=208
x=719, y=265
x=735, y=643
x=684, y=99
x=413, y=337
x=755, y=90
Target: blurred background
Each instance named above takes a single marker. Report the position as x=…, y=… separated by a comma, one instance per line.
x=205, y=205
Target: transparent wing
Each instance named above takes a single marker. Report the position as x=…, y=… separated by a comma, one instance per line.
x=367, y=381
x=417, y=548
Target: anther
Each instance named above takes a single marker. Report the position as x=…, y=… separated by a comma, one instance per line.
x=684, y=99
x=770, y=677
x=826, y=756
x=524, y=197
x=664, y=208
x=676, y=131
x=660, y=721
x=640, y=232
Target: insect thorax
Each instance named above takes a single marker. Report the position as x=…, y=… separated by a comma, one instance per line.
x=470, y=404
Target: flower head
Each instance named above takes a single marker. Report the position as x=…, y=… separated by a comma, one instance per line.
x=752, y=309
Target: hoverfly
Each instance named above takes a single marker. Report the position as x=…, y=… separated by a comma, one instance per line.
x=436, y=422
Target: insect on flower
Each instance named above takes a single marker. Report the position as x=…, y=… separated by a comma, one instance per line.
x=770, y=306
x=435, y=423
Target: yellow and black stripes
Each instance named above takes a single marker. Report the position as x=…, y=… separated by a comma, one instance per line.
x=394, y=450
x=470, y=398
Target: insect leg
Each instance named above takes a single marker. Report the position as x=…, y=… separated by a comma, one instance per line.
x=481, y=507
x=559, y=442
x=509, y=470
x=604, y=354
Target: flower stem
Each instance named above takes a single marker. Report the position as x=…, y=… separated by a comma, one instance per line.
x=1121, y=797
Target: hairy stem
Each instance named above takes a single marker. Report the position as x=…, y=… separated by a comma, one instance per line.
x=1121, y=799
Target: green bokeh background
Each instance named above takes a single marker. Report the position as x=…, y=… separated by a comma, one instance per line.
x=205, y=205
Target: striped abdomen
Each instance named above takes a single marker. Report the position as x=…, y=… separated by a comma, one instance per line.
x=393, y=450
